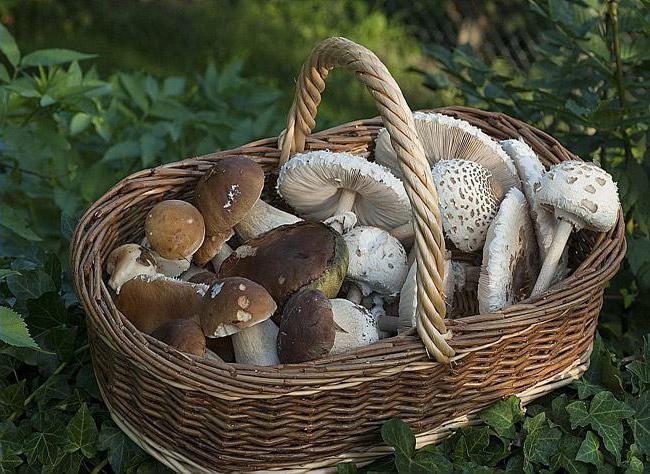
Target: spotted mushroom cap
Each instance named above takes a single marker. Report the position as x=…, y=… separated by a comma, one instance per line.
x=510, y=260
x=378, y=261
x=312, y=183
x=355, y=326
x=232, y=304
x=469, y=199
x=581, y=193
x=448, y=138
x=175, y=229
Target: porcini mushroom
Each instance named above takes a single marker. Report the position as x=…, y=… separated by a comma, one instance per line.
x=224, y=195
x=184, y=335
x=510, y=260
x=581, y=196
x=322, y=184
x=354, y=325
x=128, y=261
x=262, y=218
x=448, y=138
x=307, y=329
x=175, y=229
x=290, y=257
x=377, y=261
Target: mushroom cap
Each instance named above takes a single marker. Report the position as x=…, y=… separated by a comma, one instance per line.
x=312, y=184
x=290, y=257
x=204, y=277
x=149, y=301
x=510, y=264
x=211, y=246
x=307, y=329
x=182, y=334
x=448, y=138
x=581, y=193
x=171, y=268
x=343, y=222
x=128, y=261
x=232, y=304
x=174, y=229
x=469, y=198
x=377, y=260
x=228, y=191
x=355, y=326
x=531, y=171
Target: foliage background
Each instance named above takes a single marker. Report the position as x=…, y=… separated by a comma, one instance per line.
x=174, y=78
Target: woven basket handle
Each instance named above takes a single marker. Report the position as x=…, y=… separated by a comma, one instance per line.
x=398, y=120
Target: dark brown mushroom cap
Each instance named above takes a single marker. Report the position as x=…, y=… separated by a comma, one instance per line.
x=175, y=229
x=182, y=334
x=233, y=304
x=228, y=191
x=211, y=246
x=307, y=329
x=151, y=301
x=205, y=278
x=290, y=257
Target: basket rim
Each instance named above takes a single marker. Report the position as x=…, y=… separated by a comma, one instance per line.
x=335, y=372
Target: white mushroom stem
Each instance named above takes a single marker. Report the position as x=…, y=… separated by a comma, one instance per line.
x=210, y=355
x=404, y=233
x=257, y=344
x=389, y=324
x=354, y=294
x=553, y=256
x=261, y=219
x=346, y=201
x=224, y=253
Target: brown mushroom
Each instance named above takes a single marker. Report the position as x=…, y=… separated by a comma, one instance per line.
x=182, y=334
x=175, y=229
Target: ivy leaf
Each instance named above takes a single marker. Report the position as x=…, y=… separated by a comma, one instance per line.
x=17, y=223
x=635, y=466
x=122, y=452
x=30, y=284
x=347, y=468
x=49, y=57
x=541, y=440
x=8, y=46
x=399, y=436
x=589, y=451
x=43, y=446
x=67, y=463
x=502, y=416
x=9, y=459
x=12, y=398
x=82, y=433
x=566, y=457
x=13, y=329
x=641, y=423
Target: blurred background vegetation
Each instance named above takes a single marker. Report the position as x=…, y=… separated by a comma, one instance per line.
x=136, y=83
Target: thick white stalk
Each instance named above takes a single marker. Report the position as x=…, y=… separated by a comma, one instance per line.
x=223, y=254
x=346, y=201
x=261, y=219
x=257, y=345
x=553, y=256
x=354, y=294
x=389, y=324
x=404, y=233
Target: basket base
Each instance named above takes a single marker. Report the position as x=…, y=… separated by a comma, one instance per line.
x=363, y=455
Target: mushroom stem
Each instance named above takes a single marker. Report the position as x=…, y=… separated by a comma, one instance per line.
x=404, y=233
x=262, y=218
x=256, y=345
x=389, y=324
x=224, y=253
x=354, y=294
x=553, y=256
x=346, y=201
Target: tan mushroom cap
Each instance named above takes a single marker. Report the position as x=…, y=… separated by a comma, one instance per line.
x=233, y=304
x=175, y=229
x=182, y=334
x=128, y=261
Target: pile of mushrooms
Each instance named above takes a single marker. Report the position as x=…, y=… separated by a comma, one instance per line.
x=233, y=278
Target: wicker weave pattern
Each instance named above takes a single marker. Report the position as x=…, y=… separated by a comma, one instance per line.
x=202, y=416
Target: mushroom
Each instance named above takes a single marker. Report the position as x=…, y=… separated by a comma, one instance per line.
x=225, y=252
x=354, y=325
x=184, y=335
x=262, y=218
x=342, y=223
x=290, y=257
x=149, y=301
x=241, y=308
x=307, y=329
x=128, y=261
x=448, y=138
x=224, y=195
x=205, y=278
x=168, y=267
x=175, y=229
x=377, y=262
x=322, y=184
x=222, y=347
x=509, y=256
x=581, y=196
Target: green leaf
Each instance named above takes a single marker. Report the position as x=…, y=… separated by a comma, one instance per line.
x=640, y=423
x=347, y=468
x=82, y=433
x=43, y=446
x=30, y=284
x=635, y=466
x=17, y=223
x=589, y=451
x=173, y=86
x=13, y=329
x=80, y=122
x=122, y=452
x=8, y=46
x=502, y=416
x=399, y=436
x=566, y=457
x=49, y=57
x=119, y=151
x=9, y=459
x=135, y=88
x=12, y=397
x=541, y=441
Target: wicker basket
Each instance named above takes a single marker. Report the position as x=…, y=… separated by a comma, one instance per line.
x=198, y=415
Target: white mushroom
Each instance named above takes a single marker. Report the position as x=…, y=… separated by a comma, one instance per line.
x=262, y=218
x=342, y=223
x=322, y=184
x=128, y=261
x=509, y=256
x=377, y=260
x=167, y=267
x=257, y=344
x=355, y=326
x=224, y=253
x=447, y=138
x=582, y=196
